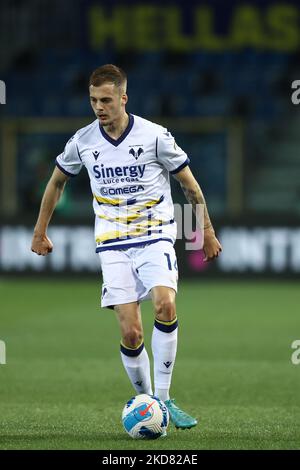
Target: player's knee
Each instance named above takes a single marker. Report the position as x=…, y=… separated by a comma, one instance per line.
x=133, y=338
x=165, y=309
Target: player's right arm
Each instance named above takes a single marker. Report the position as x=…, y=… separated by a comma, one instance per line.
x=41, y=244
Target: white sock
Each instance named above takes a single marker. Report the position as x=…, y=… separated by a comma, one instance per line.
x=137, y=366
x=164, y=347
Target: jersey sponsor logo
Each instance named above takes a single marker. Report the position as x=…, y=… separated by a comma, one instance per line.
x=132, y=171
x=136, y=153
x=125, y=190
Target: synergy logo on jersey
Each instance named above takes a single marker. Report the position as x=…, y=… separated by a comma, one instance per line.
x=136, y=153
x=133, y=171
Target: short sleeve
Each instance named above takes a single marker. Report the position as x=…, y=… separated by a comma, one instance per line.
x=172, y=157
x=69, y=162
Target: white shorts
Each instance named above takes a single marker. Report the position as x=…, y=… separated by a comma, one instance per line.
x=130, y=274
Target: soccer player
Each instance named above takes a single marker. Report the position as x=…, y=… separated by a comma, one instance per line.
x=129, y=160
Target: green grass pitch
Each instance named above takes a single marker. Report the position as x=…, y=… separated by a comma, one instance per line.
x=64, y=386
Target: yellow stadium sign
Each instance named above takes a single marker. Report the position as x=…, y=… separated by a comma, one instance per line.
x=153, y=28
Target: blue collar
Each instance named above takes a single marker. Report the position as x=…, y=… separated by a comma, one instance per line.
x=116, y=142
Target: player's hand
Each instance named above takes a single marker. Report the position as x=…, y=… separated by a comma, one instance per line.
x=41, y=244
x=211, y=246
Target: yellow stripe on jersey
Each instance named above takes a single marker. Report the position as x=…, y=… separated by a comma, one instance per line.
x=152, y=223
x=117, y=202
x=139, y=229
x=105, y=200
x=117, y=234
x=147, y=204
x=122, y=220
x=131, y=218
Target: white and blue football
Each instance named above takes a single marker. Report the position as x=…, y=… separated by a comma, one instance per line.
x=145, y=417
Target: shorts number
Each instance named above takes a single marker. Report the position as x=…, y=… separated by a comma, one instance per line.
x=167, y=255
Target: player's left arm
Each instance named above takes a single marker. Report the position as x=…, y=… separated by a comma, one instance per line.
x=194, y=195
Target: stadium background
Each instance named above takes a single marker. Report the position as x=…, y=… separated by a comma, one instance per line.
x=220, y=78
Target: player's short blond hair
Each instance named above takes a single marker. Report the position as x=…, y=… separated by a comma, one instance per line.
x=108, y=73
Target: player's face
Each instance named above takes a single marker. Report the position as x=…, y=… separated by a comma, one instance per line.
x=108, y=103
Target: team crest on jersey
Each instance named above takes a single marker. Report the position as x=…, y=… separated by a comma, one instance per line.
x=136, y=153
x=96, y=154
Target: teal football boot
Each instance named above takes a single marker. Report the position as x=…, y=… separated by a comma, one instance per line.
x=179, y=418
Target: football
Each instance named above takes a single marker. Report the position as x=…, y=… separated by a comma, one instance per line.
x=145, y=417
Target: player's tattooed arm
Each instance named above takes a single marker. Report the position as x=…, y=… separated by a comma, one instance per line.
x=195, y=197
